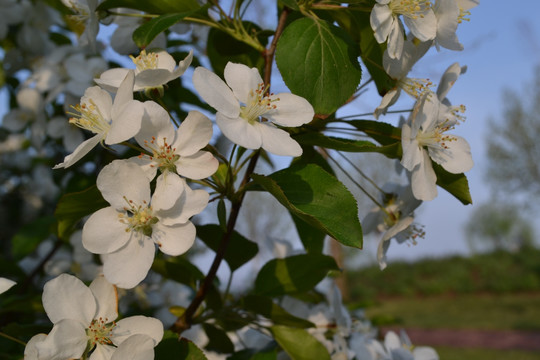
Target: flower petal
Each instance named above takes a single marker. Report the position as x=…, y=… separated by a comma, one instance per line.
x=66, y=297
x=81, y=150
x=424, y=26
x=5, y=284
x=395, y=40
x=291, y=110
x=174, y=240
x=156, y=123
x=182, y=66
x=151, y=78
x=129, y=265
x=169, y=188
x=135, y=325
x=31, y=350
x=278, y=141
x=67, y=340
x=191, y=203
x=193, y=134
x=136, y=347
x=111, y=79
x=99, y=98
x=239, y=131
x=456, y=158
x=215, y=92
x=197, y=166
x=423, y=180
x=381, y=21
x=103, y=232
x=106, y=297
x=126, y=122
x=448, y=79
x=242, y=80
x=121, y=180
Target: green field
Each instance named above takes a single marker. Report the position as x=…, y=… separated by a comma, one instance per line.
x=497, y=291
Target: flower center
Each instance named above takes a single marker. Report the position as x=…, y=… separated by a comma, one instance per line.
x=258, y=104
x=415, y=87
x=145, y=61
x=139, y=218
x=437, y=138
x=90, y=118
x=164, y=155
x=412, y=9
x=100, y=332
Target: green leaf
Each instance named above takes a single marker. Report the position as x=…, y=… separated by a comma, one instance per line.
x=27, y=239
x=455, y=184
x=264, y=306
x=173, y=348
x=299, y=344
x=144, y=34
x=318, y=198
x=222, y=48
x=152, y=7
x=179, y=270
x=292, y=4
x=293, y=274
x=383, y=133
x=239, y=251
x=218, y=340
x=312, y=238
x=73, y=207
x=318, y=61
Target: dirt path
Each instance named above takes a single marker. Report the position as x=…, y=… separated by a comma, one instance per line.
x=486, y=339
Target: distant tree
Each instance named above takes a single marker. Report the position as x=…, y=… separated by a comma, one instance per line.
x=497, y=226
x=513, y=146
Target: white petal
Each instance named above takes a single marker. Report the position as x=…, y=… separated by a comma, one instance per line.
x=5, y=284
x=423, y=27
x=169, y=189
x=146, y=164
x=448, y=79
x=278, y=141
x=165, y=61
x=121, y=180
x=425, y=353
x=111, y=79
x=107, y=299
x=388, y=100
x=126, y=122
x=242, y=80
x=456, y=159
x=31, y=350
x=81, y=150
x=291, y=110
x=100, y=98
x=129, y=265
x=137, y=347
x=157, y=124
x=395, y=40
x=424, y=180
x=193, y=134
x=133, y=325
x=66, y=297
x=392, y=341
x=174, y=240
x=412, y=153
x=102, y=352
x=381, y=20
x=151, y=78
x=197, y=166
x=425, y=113
x=182, y=66
x=191, y=203
x=239, y=131
x=215, y=92
x=104, y=233
x=67, y=340
x=447, y=13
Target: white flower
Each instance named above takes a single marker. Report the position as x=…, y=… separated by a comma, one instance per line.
x=175, y=150
x=127, y=231
x=112, y=122
x=5, y=284
x=84, y=322
x=398, y=69
x=400, y=348
x=152, y=70
x=450, y=13
x=424, y=137
x=417, y=15
x=242, y=101
x=395, y=220
x=87, y=18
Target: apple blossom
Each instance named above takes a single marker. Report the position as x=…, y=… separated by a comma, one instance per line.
x=450, y=13
x=126, y=232
x=84, y=322
x=423, y=139
x=242, y=101
x=175, y=150
x=85, y=17
x=112, y=122
x=152, y=70
x=417, y=15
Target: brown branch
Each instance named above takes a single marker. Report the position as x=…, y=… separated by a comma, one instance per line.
x=184, y=322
